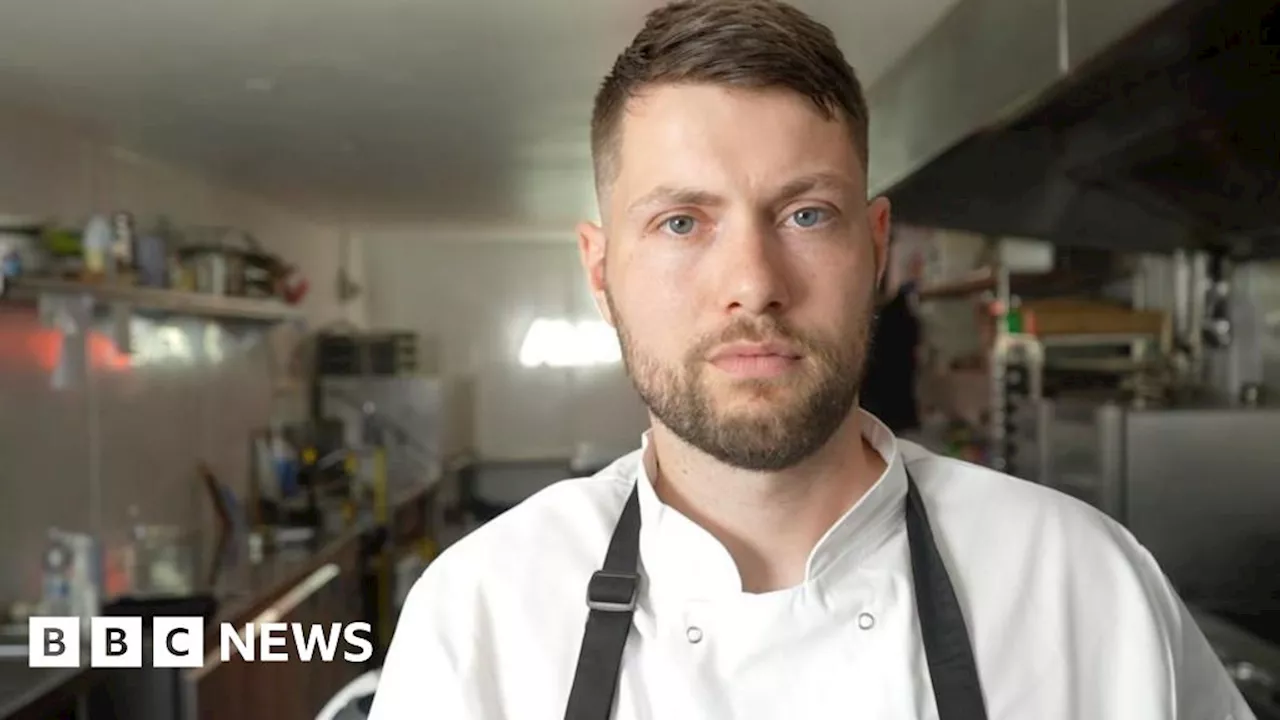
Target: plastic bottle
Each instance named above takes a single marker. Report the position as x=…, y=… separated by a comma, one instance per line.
x=98, y=237
x=57, y=576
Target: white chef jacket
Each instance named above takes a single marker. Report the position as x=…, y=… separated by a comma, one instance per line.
x=1069, y=616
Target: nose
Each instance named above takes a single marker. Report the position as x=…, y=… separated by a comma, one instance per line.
x=751, y=270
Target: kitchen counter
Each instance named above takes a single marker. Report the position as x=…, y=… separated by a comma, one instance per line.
x=319, y=581
x=28, y=693
x=242, y=590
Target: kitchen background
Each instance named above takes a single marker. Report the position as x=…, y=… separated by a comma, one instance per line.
x=303, y=275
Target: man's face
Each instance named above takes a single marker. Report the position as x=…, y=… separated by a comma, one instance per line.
x=738, y=261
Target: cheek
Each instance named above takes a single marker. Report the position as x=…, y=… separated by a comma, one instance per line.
x=657, y=301
x=837, y=288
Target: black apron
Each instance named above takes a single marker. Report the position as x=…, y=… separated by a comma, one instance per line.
x=612, y=591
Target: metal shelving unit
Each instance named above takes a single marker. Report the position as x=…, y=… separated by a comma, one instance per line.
x=1098, y=339
x=1018, y=418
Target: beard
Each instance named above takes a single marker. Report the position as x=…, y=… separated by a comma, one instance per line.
x=804, y=408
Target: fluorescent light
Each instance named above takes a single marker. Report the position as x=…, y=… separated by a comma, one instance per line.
x=557, y=342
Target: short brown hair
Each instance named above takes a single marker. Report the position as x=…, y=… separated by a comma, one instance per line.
x=741, y=43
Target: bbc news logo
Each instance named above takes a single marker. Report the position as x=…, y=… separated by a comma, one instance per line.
x=179, y=642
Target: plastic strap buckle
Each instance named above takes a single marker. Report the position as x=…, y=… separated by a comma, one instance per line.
x=613, y=592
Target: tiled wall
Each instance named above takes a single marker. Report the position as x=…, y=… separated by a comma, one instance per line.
x=130, y=430
x=126, y=433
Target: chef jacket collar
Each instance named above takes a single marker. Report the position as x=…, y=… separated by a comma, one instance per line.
x=680, y=558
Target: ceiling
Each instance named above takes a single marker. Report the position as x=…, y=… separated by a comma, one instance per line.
x=453, y=111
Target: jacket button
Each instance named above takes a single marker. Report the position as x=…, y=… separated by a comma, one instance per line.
x=866, y=621
x=693, y=634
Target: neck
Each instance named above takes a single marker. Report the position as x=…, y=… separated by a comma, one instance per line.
x=768, y=521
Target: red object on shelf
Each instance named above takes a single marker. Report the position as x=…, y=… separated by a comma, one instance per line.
x=292, y=286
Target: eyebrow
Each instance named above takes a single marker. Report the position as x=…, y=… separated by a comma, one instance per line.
x=814, y=181
x=673, y=195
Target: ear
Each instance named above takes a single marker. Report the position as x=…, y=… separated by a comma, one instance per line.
x=591, y=250
x=878, y=217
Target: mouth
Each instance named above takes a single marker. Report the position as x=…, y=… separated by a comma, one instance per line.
x=756, y=360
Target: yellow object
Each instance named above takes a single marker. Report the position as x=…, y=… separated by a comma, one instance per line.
x=382, y=564
x=427, y=549
x=309, y=456
x=380, y=499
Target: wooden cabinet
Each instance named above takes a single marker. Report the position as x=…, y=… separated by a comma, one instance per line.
x=294, y=689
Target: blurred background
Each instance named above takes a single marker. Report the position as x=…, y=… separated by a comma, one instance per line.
x=291, y=298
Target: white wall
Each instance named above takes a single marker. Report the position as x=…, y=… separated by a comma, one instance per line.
x=476, y=296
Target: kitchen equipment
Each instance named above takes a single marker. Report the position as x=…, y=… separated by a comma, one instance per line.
x=1195, y=483
x=164, y=562
x=209, y=268
x=153, y=261
x=388, y=353
x=229, y=261
x=72, y=575
x=1138, y=125
x=21, y=251
x=233, y=271
x=122, y=242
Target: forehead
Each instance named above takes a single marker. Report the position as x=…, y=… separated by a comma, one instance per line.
x=728, y=139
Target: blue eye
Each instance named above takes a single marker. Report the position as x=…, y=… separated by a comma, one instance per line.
x=808, y=217
x=679, y=225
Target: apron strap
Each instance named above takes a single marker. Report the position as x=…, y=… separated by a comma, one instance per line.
x=611, y=597
x=952, y=668
x=612, y=592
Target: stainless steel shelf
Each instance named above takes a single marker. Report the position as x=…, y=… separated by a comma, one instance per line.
x=145, y=299
x=1096, y=339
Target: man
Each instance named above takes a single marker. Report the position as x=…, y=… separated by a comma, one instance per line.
x=888, y=388
x=771, y=551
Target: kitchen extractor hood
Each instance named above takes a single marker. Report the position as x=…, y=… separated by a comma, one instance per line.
x=1138, y=125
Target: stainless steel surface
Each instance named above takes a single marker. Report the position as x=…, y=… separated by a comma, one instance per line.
x=1087, y=122
x=411, y=413
x=1182, y=295
x=1196, y=288
x=1074, y=461
x=973, y=71
x=1203, y=496
x=979, y=67
x=1094, y=25
x=322, y=576
x=1111, y=493
x=1197, y=486
x=1044, y=426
